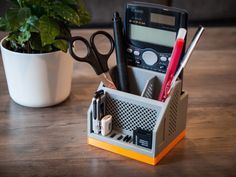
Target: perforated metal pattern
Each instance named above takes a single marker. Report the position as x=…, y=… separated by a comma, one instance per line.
x=151, y=88
x=129, y=116
x=173, y=111
x=149, y=91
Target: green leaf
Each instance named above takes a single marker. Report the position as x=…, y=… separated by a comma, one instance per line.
x=31, y=25
x=23, y=14
x=18, y=39
x=36, y=45
x=3, y=23
x=12, y=39
x=83, y=13
x=23, y=37
x=14, y=2
x=47, y=48
x=20, y=2
x=33, y=22
x=61, y=44
x=14, y=18
x=84, y=16
x=49, y=29
x=71, y=2
x=24, y=28
x=11, y=19
x=37, y=10
x=67, y=13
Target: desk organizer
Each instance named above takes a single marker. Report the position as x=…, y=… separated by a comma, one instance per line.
x=166, y=120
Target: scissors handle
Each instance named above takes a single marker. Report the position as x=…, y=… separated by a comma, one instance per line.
x=90, y=56
x=102, y=58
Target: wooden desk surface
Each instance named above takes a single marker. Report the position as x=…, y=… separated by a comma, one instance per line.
x=53, y=142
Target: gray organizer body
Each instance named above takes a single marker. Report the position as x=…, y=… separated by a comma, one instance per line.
x=139, y=108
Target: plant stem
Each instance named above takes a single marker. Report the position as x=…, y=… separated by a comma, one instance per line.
x=28, y=47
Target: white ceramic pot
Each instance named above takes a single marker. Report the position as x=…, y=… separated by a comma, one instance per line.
x=37, y=80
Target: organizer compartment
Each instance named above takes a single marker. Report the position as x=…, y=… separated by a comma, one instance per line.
x=138, y=79
x=167, y=120
x=152, y=88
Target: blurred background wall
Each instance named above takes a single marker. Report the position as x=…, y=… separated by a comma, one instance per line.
x=216, y=12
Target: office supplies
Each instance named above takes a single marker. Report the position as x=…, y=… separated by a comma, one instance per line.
x=120, y=137
x=96, y=95
x=106, y=125
x=188, y=53
x=98, y=110
x=151, y=31
x=145, y=129
x=95, y=122
x=142, y=138
x=129, y=139
x=175, y=57
x=126, y=137
x=94, y=57
x=120, y=54
x=100, y=106
x=166, y=121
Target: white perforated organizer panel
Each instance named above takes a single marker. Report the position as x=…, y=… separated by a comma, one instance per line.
x=173, y=112
x=129, y=116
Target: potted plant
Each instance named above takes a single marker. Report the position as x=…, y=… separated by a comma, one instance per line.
x=37, y=66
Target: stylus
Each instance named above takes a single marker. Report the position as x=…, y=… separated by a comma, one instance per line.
x=188, y=53
x=120, y=54
x=175, y=57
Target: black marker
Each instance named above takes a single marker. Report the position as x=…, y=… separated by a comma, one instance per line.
x=120, y=53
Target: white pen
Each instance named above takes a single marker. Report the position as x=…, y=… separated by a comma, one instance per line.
x=188, y=53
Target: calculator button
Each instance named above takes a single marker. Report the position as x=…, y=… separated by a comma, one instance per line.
x=169, y=58
x=163, y=59
x=149, y=57
x=136, y=53
x=162, y=67
x=138, y=62
x=129, y=50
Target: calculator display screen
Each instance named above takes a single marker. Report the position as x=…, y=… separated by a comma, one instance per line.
x=163, y=19
x=152, y=35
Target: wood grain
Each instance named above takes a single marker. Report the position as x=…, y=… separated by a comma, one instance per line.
x=53, y=142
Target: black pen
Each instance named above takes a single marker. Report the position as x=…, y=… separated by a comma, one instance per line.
x=120, y=54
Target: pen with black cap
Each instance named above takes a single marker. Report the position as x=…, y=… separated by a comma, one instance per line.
x=120, y=54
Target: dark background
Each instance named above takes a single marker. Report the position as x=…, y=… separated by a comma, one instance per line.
x=206, y=12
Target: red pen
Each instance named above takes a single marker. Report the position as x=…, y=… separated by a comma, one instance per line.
x=175, y=57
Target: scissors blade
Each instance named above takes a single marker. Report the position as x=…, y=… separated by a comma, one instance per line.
x=106, y=79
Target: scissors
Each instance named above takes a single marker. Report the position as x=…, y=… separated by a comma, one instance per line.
x=96, y=59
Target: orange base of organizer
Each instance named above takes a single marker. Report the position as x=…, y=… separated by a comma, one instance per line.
x=136, y=155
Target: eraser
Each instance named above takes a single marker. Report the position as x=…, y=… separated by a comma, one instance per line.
x=106, y=125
